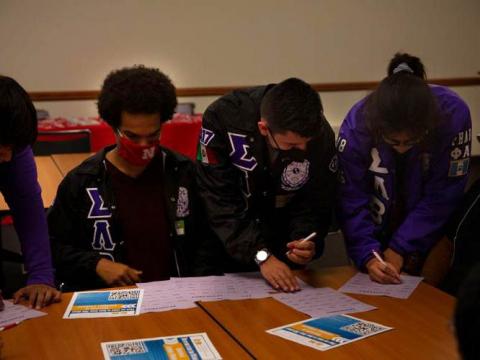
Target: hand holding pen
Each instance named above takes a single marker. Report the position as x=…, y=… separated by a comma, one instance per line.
x=301, y=251
x=382, y=271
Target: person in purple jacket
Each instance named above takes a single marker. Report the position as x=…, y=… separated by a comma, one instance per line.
x=403, y=155
x=20, y=188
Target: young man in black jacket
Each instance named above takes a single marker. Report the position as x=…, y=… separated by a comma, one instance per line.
x=267, y=175
x=130, y=213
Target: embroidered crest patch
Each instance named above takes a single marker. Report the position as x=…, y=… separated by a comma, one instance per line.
x=295, y=175
x=183, y=209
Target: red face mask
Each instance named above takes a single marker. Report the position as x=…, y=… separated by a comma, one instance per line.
x=135, y=154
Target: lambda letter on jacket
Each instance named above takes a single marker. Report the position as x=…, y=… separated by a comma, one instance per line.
x=102, y=239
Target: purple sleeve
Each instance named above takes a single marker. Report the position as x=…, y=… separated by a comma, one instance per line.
x=23, y=195
x=355, y=191
x=444, y=187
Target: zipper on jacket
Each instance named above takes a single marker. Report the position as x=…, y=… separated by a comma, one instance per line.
x=176, y=262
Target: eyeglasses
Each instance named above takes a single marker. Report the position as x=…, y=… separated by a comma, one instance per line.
x=409, y=142
x=152, y=138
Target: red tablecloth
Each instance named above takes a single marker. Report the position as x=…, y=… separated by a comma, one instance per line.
x=101, y=134
x=179, y=134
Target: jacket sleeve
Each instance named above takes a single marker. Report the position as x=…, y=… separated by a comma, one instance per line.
x=443, y=190
x=221, y=190
x=355, y=193
x=311, y=207
x=71, y=262
x=23, y=196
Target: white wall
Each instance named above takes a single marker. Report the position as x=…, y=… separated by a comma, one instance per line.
x=72, y=45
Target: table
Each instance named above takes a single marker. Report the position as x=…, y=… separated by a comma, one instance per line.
x=49, y=177
x=101, y=134
x=421, y=328
x=66, y=162
x=179, y=134
x=421, y=324
x=51, y=337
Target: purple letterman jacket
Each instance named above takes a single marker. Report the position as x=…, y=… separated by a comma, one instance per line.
x=435, y=179
x=19, y=186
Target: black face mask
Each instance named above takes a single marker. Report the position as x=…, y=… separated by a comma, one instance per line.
x=289, y=155
x=286, y=155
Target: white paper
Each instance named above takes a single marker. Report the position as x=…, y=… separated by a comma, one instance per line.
x=182, y=293
x=318, y=302
x=110, y=303
x=361, y=284
x=13, y=314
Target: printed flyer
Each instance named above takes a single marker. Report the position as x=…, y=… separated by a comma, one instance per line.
x=178, y=347
x=326, y=333
x=113, y=303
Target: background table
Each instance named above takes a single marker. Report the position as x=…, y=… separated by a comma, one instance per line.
x=66, y=162
x=49, y=177
x=101, y=133
x=179, y=134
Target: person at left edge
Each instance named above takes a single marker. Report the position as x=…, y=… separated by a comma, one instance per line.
x=129, y=213
x=19, y=186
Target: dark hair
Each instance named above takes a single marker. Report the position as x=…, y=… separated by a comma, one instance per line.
x=295, y=106
x=18, y=117
x=136, y=90
x=402, y=101
x=467, y=315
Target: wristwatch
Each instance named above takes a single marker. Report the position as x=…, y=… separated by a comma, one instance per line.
x=261, y=256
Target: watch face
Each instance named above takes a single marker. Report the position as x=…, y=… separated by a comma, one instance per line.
x=262, y=255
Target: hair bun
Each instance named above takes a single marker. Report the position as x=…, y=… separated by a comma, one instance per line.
x=406, y=63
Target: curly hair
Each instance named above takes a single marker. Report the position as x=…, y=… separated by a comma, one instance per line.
x=136, y=90
x=18, y=117
x=293, y=105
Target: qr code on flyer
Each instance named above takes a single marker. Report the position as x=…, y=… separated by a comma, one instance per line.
x=128, y=348
x=363, y=328
x=124, y=295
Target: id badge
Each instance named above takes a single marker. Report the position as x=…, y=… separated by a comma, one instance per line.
x=180, y=227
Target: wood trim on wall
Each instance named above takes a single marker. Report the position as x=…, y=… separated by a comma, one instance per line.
x=220, y=90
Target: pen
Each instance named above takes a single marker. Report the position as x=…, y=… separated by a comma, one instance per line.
x=379, y=258
x=9, y=326
x=311, y=236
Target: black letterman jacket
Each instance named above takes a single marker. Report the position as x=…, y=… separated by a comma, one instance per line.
x=83, y=227
x=235, y=181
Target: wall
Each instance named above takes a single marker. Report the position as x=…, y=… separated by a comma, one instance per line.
x=72, y=45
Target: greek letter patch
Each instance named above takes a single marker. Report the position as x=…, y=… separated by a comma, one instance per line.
x=182, y=203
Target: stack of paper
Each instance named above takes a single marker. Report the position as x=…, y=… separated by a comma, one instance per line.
x=181, y=293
